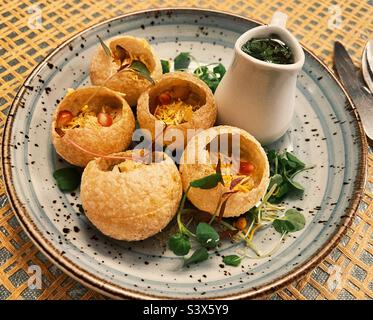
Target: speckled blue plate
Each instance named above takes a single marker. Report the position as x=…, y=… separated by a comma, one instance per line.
x=325, y=132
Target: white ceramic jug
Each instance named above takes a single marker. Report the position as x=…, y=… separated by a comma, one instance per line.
x=258, y=96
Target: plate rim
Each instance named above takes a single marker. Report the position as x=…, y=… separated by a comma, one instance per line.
x=110, y=288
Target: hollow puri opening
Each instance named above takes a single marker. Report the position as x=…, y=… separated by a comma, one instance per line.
x=103, y=102
x=84, y=108
x=129, y=161
x=238, y=156
x=124, y=162
x=250, y=153
x=173, y=91
x=126, y=51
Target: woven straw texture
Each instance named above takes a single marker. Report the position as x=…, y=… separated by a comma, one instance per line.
x=347, y=273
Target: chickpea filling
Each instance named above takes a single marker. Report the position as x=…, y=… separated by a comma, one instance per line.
x=177, y=104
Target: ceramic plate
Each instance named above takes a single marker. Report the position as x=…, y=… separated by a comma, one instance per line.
x=325, y=132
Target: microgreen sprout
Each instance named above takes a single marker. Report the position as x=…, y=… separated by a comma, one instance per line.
x=211, y=73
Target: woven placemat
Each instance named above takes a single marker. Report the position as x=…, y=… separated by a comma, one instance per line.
x=30, y=29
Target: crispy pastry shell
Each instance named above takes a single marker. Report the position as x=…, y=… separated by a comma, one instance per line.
x=132, y=205
x=102, y=140
x=204, y=117
x=103, y=67
x=208, y=199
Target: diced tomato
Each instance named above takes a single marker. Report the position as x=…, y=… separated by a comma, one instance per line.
x=104, y=119
x=246, y=167
x=64, y=117
x=164, y=98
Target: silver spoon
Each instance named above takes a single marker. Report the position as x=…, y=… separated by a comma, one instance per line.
x=367, y=65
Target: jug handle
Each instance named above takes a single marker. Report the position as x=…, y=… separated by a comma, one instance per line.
x=279, y=20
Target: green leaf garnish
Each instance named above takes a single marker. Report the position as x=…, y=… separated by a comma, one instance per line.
x=141, y=69
x=284, y=166
x=207, y=236
x=292, y=158
x=179, y=244
x=280, y=193
x=207, y=182
x=165, y=66
x=199, y=255
x=232, y=260
x=219, y=70
x=211, y=78
x=292, y=221
x=269, y=50
x=182, y=61
x=252, y=214
x=294, y=184
x=67, y=179
x=275, y=179
x=104, y=46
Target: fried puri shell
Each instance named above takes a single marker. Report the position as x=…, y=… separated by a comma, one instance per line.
x=134, y=204
x=204, y=117
x=103, y=69
x=100, y=140
x=193, y=168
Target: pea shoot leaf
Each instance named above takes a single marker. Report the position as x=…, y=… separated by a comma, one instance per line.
x=219, y=70
x=104, y=46
x=199, y=255
x=179, y=244
x=294, y=184
x=232, y=260
x=67, y=179
x=207, y=235
x=208, y=182
x=182, y=61
x=292, y=221
x=284, y=166
x=141, y=69
x=165, y=66
x=292, y=158
x=211, y=78
x=275, y=179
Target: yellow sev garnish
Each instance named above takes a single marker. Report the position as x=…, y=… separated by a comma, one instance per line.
x=174, y=113
x=244, y=182
x=85, y=118
x=235, y=179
